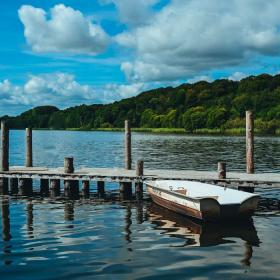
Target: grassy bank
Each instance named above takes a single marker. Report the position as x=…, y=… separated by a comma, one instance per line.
x=203, y=131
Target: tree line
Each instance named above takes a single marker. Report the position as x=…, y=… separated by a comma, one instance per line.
x=202, y=105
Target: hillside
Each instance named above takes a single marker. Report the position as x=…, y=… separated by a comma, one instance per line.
x=202, y=106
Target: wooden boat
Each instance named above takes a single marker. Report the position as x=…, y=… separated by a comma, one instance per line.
x=202, y=201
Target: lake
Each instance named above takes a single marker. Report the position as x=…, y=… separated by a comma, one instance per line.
x=86, y=239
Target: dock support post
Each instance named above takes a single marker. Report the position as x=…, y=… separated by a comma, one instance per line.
x=222, y=171
x=4, y=186
x=71, y=187
x=25, y=186
x=4, y=182
x=127, y=145
x=139, y=185
x=5, y=146
x=101, y=189
x=14, y=186
x=85, y=188
x=29, y=156
x=55, y=187
x=249, y=142
x=44, y=187
x=68, y=165
x=125, y=190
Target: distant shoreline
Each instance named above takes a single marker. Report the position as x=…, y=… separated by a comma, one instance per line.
x=182, y=131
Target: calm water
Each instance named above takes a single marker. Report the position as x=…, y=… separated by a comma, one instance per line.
x=44, y=239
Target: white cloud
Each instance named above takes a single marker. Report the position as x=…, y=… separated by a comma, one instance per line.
x=62, y=90
x=237, y=76
x=133, y=12
x=189, y=37
x=63, y=30
x=200, y=78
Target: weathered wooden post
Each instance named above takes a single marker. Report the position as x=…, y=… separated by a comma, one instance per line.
x=250, y=142
x=25, y=186
x=85, y=188
x=222, y=171
x=127, y=145
x=125, y=190
x=44, y=187
x=71, y=187
x=14, y=186
x=5, y=146
x=68, y=165
x=55, y=187
x=29, y=156
x=139, y=185
x=4, y=182
x=101, y=189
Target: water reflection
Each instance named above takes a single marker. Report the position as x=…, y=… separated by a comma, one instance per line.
x=29, y=211
x=6, y=234
x=201, y=234
x=69, y=210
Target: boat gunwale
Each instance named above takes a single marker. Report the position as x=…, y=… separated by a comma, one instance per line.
x=181, y=195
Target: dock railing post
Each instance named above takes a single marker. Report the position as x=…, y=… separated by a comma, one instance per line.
x=139, y=185
x=222, y=171
x=249, y=142
x=4, y=146
x=4, y=182
x=127, y=145
x=29, y=156
x=71, y=187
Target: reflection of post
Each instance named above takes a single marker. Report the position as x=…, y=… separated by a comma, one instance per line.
x=69, y=211
x=139, y=213
x=29, y=210
x=247, y=255
x=6, y=220
x=128, y=223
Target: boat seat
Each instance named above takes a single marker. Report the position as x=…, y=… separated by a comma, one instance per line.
x=181, y=191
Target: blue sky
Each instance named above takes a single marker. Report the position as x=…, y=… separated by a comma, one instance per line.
x=66, y=53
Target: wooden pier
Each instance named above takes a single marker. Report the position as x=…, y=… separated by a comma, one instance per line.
x=18, y=179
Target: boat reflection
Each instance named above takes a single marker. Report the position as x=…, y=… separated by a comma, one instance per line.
x=202, y=234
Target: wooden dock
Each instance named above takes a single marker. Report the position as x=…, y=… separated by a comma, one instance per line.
x=123, y=175
x=18, y=179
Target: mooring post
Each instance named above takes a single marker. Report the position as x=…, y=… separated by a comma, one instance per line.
x=85, y=188
x=71, y=187
x=44, y=187
x=14, y=186
x=4, y=182
x=139, y=185
x=222, y=171
x=101, y=189
x=29, y=156
x=127, y=145
x=250, y=142
x=55, y=187
x=5, y=146
x=25, y=186
x=68, y=165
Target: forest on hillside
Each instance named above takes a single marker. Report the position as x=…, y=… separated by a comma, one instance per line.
x=195, y=107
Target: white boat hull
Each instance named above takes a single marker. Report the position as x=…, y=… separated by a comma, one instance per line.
x=203, y=208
